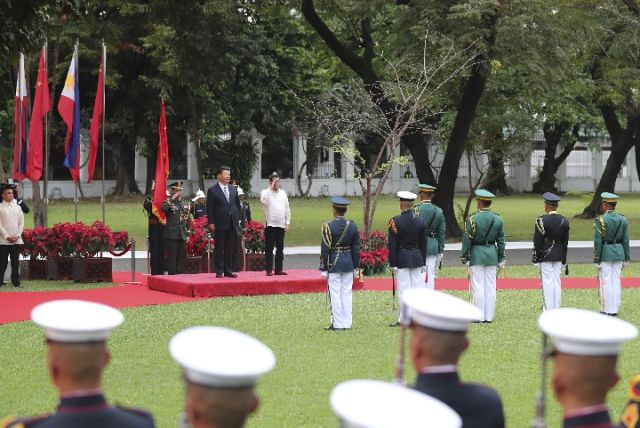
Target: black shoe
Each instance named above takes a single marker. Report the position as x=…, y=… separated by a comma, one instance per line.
x=396, y=324
x=331, y=327
x=231, y=275
x=219, y=275
x=269, y=273
x=281, y=273
x=487, y=321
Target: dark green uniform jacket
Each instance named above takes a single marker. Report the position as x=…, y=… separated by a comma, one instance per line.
x=483, y=239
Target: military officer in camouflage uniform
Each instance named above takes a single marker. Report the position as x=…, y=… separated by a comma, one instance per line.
x=176, y=230
x=483, y=252
x=611, y=252
x=407, y=248
x=550, y=241
x=339, y=262
x=434, y=220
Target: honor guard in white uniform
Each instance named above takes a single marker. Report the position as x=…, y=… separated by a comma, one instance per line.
x=434, y=220
x=377, y=404
x=611, y=252
x=483, y=251
x=339, y=262
x=550, y=242
x=221, y=368
x=585, y=352
x=407, y=248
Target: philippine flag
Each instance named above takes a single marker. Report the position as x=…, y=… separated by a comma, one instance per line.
x=21, y=121
x=69, y=109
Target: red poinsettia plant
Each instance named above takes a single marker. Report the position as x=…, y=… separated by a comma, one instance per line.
x=374, y=252
x=254, y=241
x=197, y=241
x=72, y=240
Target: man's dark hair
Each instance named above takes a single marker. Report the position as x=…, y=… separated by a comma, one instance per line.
x=484, y=203
x=340, y=210
x=273, y=176
x=611, y=204
x=223, y=168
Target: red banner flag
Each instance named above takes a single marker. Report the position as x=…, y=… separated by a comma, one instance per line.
x=162, y=168
x=41, y=106
x=21, y=122
x=96, y=121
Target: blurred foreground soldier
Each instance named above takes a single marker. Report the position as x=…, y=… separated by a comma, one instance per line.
x=199, y=205
x=631, y=413
x=377, y=404
x=11, y=227
x=76, y=333
x=407, y=248
x=483, y=252
x=277, y=217
x=550, y=242
x=585, y=351
x=221, y=368
x=176, y=230
x=439, y=324
x=339, y=262
x=156, y=237
x=434, y=220
x=611, y=252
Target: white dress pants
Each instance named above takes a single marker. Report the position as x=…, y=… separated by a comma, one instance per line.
x=406, y=279
x=609, y=276
x=550, y=278
x=432, y=266
x=340, y=284
x=482, y=288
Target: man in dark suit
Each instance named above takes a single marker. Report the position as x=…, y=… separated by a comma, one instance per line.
x=439, y=324
x=76, y=333
x=223, y=213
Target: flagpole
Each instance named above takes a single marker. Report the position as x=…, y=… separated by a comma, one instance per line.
x=75, y=199
x=20, y=118
x=45, y=190
x=104, y=76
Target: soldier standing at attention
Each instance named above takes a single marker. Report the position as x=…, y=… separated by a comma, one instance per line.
x=156, y=237
x=611, y=252
x=339, y=261
x=434, y=220
x=407, y=248
x=176, y=230
x=483, y=252
x=76, y=334
x=550, y=241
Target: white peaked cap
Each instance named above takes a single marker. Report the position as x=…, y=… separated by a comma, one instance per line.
x=438, y=310
x=220, y=357
x=76, y=321
x=199, y=194
x=581, y=332
x=406, y=196
x=378, y=404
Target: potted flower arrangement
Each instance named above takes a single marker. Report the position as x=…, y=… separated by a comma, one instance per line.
x=35, y=247
x=196, y=247
x=254, y=244
x=374, y=254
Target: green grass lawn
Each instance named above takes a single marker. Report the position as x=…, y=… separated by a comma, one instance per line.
x=518, y=212
x=310, y=361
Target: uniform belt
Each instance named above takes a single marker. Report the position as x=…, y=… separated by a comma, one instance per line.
x=483, y=244
x=340, y=249
x=611, y=242
x=408, y=248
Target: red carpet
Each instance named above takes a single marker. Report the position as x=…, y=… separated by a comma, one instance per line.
x=246, y=284
x=503, y=284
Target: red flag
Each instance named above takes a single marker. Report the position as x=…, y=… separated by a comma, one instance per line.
x=41, y=106
x=96, y=121
x=162, y=168
x=21, y=122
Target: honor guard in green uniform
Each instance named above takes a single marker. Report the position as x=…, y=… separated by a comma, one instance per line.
x=483, y=252
x=434, y=220
x=611, y=252
x=550, y=242
x=176, y=230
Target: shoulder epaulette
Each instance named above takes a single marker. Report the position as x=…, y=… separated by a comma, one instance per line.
x=392, y=226
x=326, y=234
x=540, y=224
x=23, y=422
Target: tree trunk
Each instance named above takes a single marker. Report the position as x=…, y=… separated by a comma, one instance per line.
x=125, y=176
x=496, y=180
x=420, y=153
x=37, y=206
x=195, y=134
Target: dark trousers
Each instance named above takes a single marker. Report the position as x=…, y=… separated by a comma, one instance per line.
x=13, y=251
x=225, y=240
x=274, y=236
x=176, y=254
x=156, y=249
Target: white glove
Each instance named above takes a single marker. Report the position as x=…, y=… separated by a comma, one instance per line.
x=394, y=269
x=324, y=274
x=440, y=258
x=356, y=273
x=423, y=269
x=502, y=264
x=537, y=265
x=625, y=263
x=467, y=263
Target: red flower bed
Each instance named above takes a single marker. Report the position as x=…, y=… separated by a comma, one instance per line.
x=197, y=241
x=374, y=252
x=254, y=241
